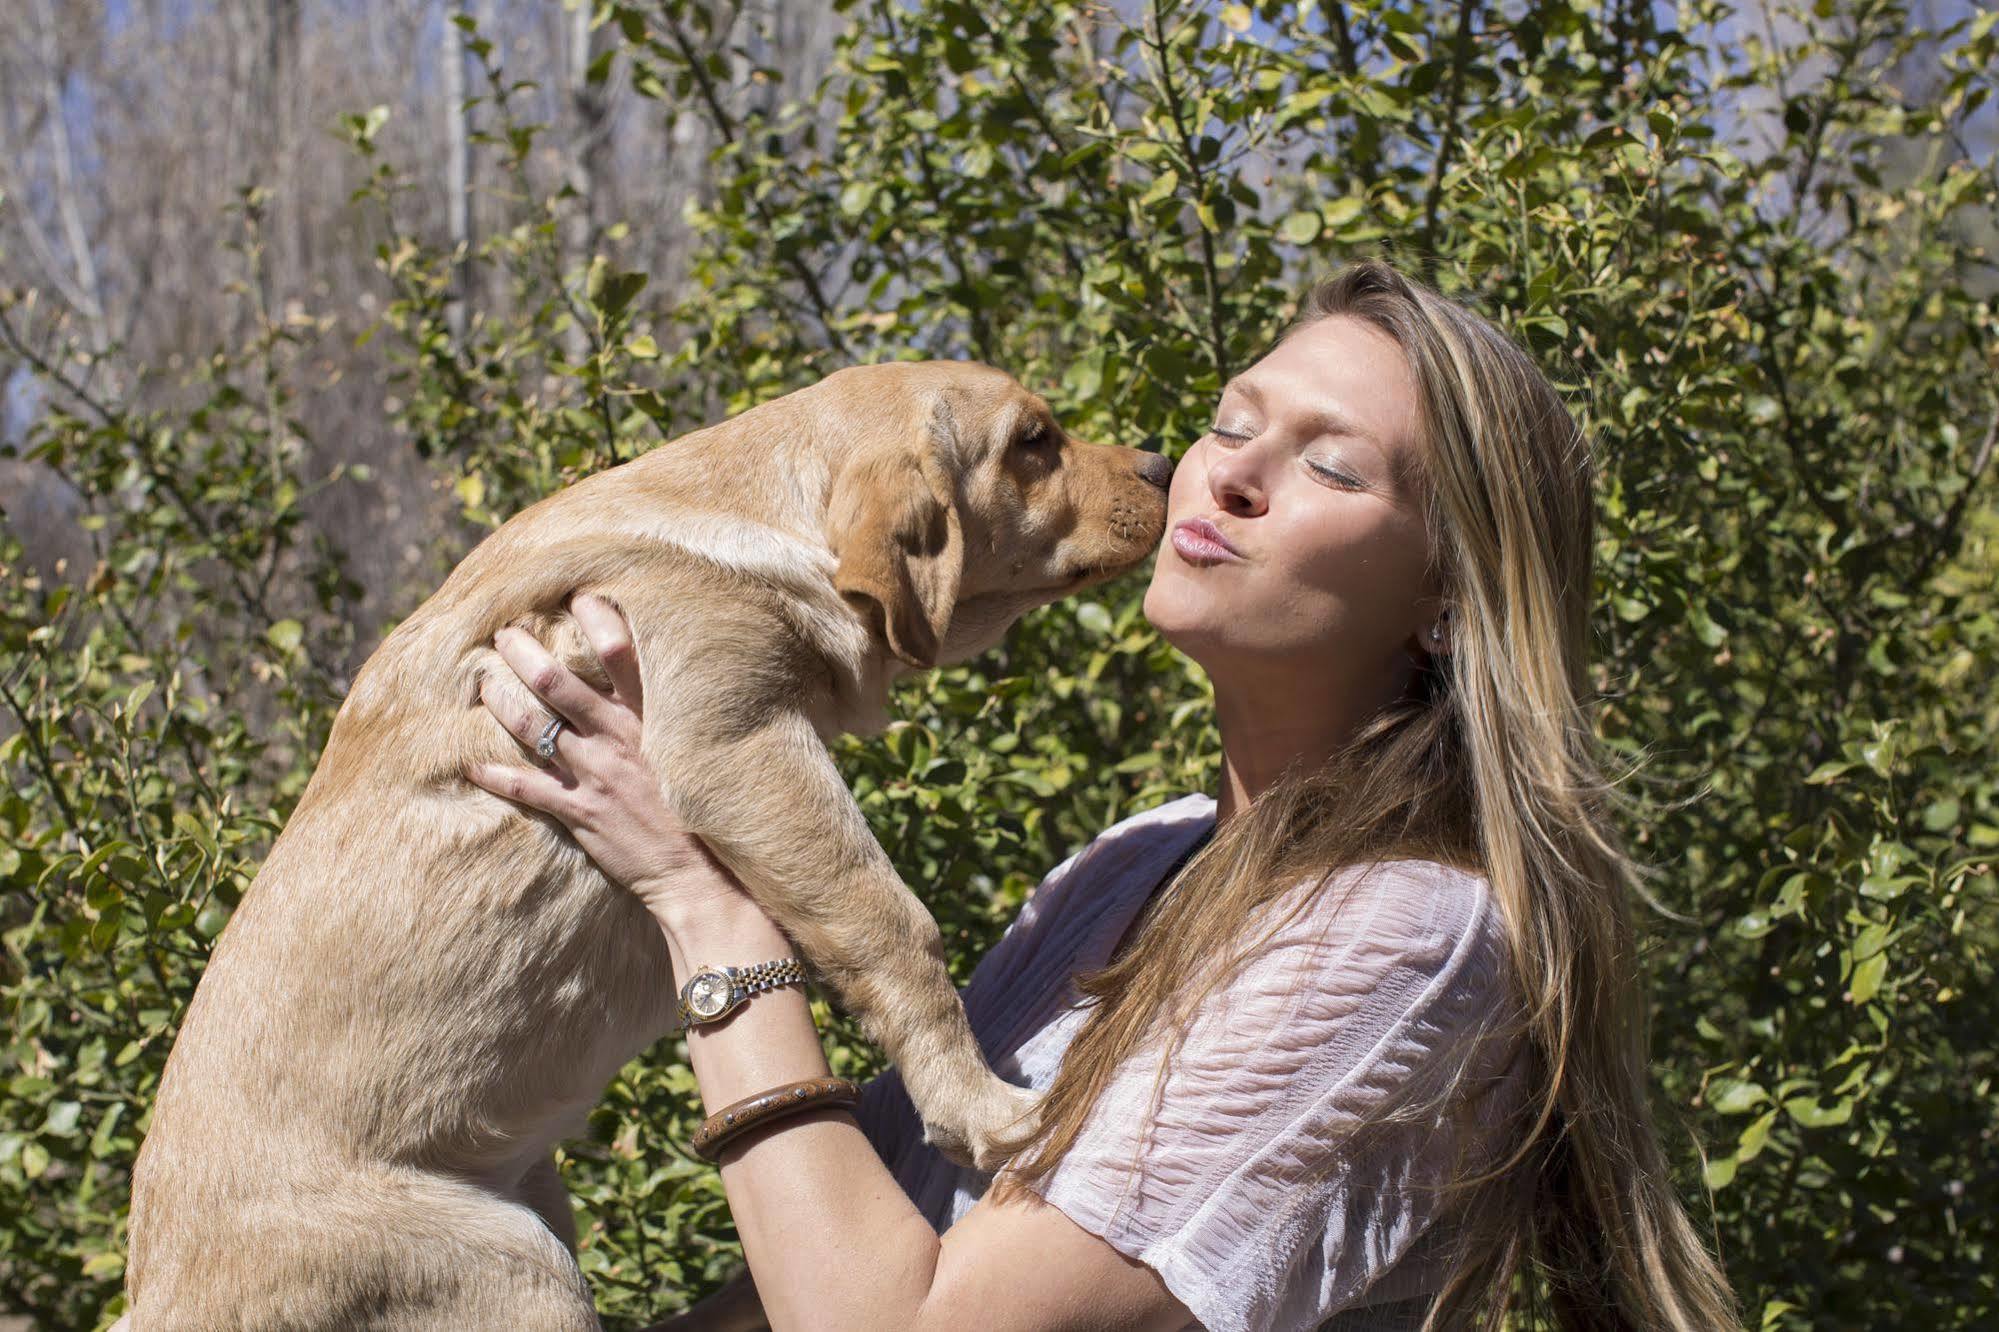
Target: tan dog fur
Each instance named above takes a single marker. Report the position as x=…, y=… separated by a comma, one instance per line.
x=428, y=986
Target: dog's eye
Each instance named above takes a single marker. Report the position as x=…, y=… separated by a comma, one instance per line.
x=1038, y=438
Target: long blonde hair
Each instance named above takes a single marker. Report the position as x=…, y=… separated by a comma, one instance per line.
x=1488, y=762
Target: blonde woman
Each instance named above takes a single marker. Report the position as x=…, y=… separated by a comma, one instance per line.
x=1352, y=1041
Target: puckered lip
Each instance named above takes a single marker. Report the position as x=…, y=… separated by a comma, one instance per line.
x=1206, y=531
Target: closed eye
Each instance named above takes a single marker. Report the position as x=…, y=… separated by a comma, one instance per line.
x=1338, y=477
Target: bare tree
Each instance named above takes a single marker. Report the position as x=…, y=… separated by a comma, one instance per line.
x=120, y=217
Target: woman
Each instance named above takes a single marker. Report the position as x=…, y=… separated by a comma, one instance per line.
x=1379, y=1044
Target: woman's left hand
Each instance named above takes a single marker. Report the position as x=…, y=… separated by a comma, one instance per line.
x=600, y=783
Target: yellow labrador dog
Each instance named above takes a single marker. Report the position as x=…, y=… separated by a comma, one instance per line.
x=427, y=986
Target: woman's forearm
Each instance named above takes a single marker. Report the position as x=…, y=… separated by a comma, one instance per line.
x=830, y=1238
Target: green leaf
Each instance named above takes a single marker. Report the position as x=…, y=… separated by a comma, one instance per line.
x=1941, y=814
x=1867, y=975
x=1162, y=188
x=1810, y=1112
x=62, y=1118
x=286, y=635
x=858, y=197
x=1301, y=228
x=1344, y=210
x=1749, y=1145
x=1734, y=1096
x=109, y=1265
x=611, y=291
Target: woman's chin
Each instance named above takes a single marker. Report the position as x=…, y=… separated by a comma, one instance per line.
x=1186, y=622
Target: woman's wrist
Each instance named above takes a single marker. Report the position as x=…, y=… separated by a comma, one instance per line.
x=725, y=930
x=689, y=886
x=769, y=1040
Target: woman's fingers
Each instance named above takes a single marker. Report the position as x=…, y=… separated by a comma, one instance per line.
x=525, y=721
x=533, y=787
x=552, y=682
x=611, y=636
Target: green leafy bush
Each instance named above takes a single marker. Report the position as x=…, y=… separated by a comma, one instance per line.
x=1755, y=267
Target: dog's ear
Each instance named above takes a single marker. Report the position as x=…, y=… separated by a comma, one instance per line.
x=892, y=522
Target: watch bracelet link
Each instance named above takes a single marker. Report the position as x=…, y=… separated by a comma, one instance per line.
x=747, y=981
x=761, y=976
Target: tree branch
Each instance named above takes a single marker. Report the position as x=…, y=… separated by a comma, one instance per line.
x=726, y=125
x=1453, y=107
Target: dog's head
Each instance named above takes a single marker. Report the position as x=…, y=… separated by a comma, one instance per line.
x=956, y=503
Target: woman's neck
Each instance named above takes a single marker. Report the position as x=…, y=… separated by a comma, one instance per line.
x=1256, y=750
x=1261, y=737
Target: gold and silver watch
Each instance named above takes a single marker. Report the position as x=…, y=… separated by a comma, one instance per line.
x=712, y=993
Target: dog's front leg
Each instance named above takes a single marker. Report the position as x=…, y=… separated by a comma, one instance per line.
x=774, y=809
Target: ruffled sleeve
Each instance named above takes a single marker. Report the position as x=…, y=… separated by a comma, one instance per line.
x=1238, y=1176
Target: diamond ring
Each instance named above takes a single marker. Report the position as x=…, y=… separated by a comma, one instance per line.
x=544, y=745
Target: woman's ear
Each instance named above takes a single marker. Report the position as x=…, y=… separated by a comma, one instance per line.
x=893, y=525
x=1433, y=633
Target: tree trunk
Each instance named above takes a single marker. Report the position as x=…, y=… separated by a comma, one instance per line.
x=457, y=169
x=588, y=131
x=283, y=244
x=68, y=209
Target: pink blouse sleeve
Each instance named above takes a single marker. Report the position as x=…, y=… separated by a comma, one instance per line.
x=1236, y=1177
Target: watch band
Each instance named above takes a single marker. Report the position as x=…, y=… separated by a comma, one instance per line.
x=697, y=1005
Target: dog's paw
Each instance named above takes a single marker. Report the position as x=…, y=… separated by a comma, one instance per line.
x=988, y=1128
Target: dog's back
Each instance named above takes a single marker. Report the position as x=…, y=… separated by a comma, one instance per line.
x=349, y=1074
x=419, y=994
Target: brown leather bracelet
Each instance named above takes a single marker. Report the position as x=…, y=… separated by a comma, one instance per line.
x=732, y=1121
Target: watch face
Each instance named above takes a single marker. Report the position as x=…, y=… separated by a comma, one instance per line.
x=708, y=993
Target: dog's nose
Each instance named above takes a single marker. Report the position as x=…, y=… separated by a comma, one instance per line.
x=1156, y=468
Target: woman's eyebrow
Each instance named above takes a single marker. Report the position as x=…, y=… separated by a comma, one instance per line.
x=1324, y=421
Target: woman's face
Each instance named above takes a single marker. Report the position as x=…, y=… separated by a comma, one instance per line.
x=1311, y=476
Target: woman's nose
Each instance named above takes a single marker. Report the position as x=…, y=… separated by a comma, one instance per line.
x=1235, y=482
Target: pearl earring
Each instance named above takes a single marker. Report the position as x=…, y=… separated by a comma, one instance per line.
x=1436, y=633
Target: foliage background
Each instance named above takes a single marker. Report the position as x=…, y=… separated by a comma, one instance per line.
x=1752, y=246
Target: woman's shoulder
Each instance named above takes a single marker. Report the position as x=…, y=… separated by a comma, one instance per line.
x=1421, y=897
x=1411, y=917
x=1137, y=843
x=1414, y=895
x=1185, y=815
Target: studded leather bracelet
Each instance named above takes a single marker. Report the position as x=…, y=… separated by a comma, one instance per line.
x=732, y=1121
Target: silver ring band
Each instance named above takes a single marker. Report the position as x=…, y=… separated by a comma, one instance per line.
x=544, y=745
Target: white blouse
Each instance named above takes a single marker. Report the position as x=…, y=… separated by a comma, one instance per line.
x=1229, y=1178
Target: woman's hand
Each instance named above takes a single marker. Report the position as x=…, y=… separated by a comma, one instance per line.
x=600, y=784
